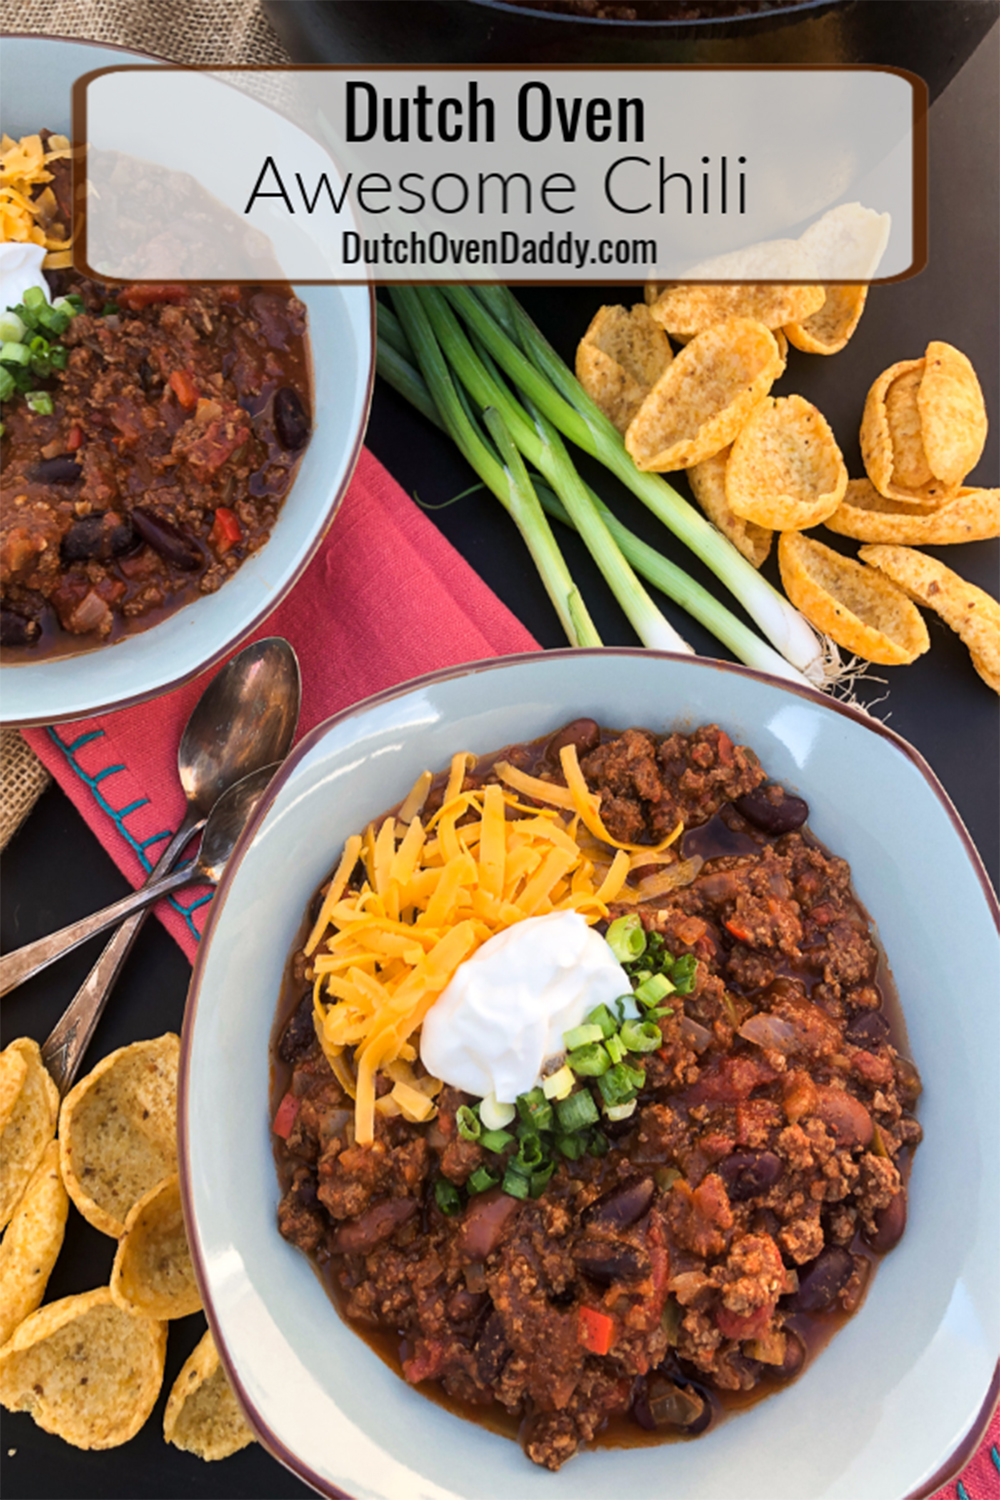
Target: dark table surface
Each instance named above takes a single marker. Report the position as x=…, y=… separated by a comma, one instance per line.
x=55, y=870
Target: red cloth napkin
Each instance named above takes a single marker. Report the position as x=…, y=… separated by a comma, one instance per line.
x=386, y=598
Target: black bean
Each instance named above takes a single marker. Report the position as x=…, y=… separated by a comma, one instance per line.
x=99, y=537
x=606, y=1261
x=868, y=1029
x=299, y=1032
x=889, y=1224
x=772, y=817
x=583, y=733
x=59, y=470
x=290, y=420
x=747, y=1173
x=492, y=1350
x=795, y=1355
x=640, y=1411
x=672, y=1404
x=148, y=376
x=821, y=1280
x=171, y=543
x=622, y=1206
x=306, y=1190
x=15, y=629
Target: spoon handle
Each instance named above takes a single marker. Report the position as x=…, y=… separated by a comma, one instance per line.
x=63, y=1050
x=20, y=965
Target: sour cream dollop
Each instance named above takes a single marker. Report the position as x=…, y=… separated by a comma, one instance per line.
x=20, y=269
x=505, y=1009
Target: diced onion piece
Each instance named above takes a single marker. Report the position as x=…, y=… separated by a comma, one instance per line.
x=620, y=1111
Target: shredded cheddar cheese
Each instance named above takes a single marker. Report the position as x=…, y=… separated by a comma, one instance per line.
x=384, y=947
x=27, y=217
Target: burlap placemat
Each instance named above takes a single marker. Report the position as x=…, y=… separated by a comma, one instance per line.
x=198, y=32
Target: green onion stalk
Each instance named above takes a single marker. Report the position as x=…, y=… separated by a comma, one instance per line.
x=537, y=370
x=541, y=444
x=519, y=500
x=397, y=370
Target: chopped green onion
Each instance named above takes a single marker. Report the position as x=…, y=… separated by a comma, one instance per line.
x=559, y=1084
x=447, y=1196
x=481, y=1179
x=576, y=1112
x=109, y=309
x=665, y=1177
x=579, y=1036
x=535, y=1110
x=58, y=356
x=7, y=386
x=72, y=305
x=598, y=1143
x=12, y=328
x=615, y=1048
x=641, y=1036
x=654, y=989
x=603, y=1018
x=620, y=1084
x=683, y=973
x=14, y=354
x=495, y=1140
x=620, y=1111
x=469, y=1127
x=658, y=1011
x=40, y=402
x=516, y=1183
x=539, y=1179
x=626, y=938
x=531, y=1153
x=572, y=1146
x=495, y=1115
x=590, y=1061
x=35, y=298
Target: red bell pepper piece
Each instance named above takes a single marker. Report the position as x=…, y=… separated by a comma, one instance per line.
x=286, y=1114
x=184, y=389
x=595, y=1330
x=226, y=531
x=74, y=438
x=134, y=298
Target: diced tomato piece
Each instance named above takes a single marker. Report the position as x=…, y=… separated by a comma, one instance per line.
x=739, y=932
x=743, y=1326
x=228, y=293
x=690, y=929
x=226, y=531
x=74, y=438
x=725, y=749
x=134, y=298
x=595, y=1330
x=284, y=1119
x=184, y=389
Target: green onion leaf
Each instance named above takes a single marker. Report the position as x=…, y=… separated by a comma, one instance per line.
x=481, y=1179
x=12, y=328
x=615, y=1048
x=683, y=973
x=579, y=1036
x=621, y=1111
x=598, y=1143
x=14, y=354
x=620, y=1084
x=109, y=309
x=654, y=989
x=576, y=1112
x=590, y=1061
x=469, y=1127
x=626, y=938
x=539, y=1179
x=35, y=298
x=603, y=1018
x=72, y=305
x=496, y=1140
x=7, y=386
x=447, y=1196
x=535, y=1110
x=572, y=1146
x=40, y=402
x=515, y=1183
x=642, y=1036
x=531, y=1153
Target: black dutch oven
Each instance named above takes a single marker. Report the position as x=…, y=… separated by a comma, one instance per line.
x=931, y=38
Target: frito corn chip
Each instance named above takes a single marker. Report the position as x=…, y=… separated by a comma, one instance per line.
x=969, y=610
x=924, y=427
x=203, y=1416
x=785, y=470
x=29, y=1108
x=687, y=308
x=32, y=1243
x=84, y=1370
x=969, y=516
x=705, y=395
x=153, y=1274
x=847, y=241
x=118, y=1129
x=855, y=606
x=827, y=330
x=708, y=485
x=620, y=358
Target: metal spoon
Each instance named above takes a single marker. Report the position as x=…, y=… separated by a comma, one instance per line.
x=245, y=719
x=226, y=822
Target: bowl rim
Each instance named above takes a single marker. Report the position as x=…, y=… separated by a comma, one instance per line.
x=676, y=22
x=113, y=705
x=960, y=1455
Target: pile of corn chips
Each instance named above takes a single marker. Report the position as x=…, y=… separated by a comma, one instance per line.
x=759, y=464
x=89, y=1368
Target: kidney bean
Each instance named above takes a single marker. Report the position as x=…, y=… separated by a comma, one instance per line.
x=772, y=817
x=889, y=1224
x=908, y=1080
x=62, y=469
x=868, y=1029
x=290, y=420
x=375, y=1225
x=821, y=1280
x=101, y=536
x=622, y=1206
x=299, y=1032
x=583, y=733
x=492, y=1350
x=795, y=1355
x=845, y=1116
x=484, y=1223
x=15, y=629
x=605, y=1261
x=747, y=1173
x=167, y=540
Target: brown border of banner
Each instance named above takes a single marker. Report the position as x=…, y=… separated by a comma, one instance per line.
x=919, y=138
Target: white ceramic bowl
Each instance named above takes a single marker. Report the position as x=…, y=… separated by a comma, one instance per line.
x=900, y=1387
x=38, y=73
